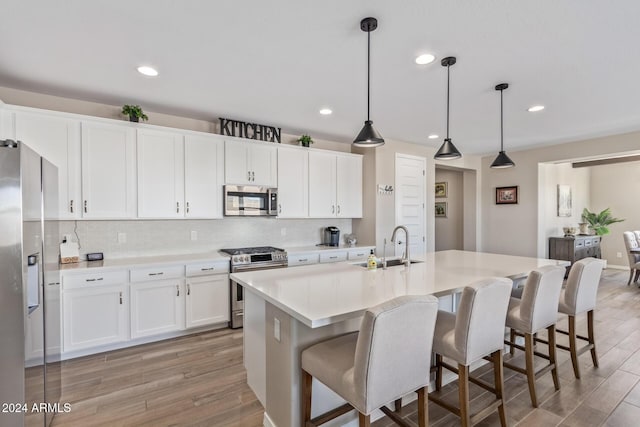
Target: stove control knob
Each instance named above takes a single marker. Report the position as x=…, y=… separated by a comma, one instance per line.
x=246, y=258
x=234, y=259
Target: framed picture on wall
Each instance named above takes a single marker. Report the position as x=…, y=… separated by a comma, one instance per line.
x=441, y=189
x=507, y=195
x=441, y=209
x=564, y=200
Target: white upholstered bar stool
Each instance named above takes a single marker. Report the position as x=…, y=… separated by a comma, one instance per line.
x=388, y=358
x=536, y=310
x=579, y=296
x=631, y=241
x=477, y=330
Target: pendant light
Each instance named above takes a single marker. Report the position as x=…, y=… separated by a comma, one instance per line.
x=447, y=151
x=502, y=161
x=368, y=136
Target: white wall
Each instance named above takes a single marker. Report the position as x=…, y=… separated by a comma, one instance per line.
x=449, y=231
x=617, y=187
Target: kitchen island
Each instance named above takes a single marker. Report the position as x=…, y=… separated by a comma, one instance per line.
x=287, y=310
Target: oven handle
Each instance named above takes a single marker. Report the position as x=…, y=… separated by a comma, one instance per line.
x=242, y=269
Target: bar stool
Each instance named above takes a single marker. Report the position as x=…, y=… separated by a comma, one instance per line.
x=387, y=359
x=476, y=331
x=535, y=311
x=580, y=296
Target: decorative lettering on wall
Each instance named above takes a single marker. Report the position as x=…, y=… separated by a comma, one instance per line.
x=249, y=130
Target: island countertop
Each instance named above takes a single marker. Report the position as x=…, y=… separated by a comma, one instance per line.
x=322, y=294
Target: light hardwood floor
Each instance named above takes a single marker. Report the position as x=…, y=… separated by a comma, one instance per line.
x=199, y=380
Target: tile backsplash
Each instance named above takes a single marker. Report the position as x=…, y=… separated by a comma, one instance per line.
x=166, y=237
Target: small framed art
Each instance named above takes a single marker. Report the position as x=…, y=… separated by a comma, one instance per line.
x=507, y=195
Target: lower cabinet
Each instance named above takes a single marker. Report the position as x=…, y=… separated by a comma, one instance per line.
x=95, y=316
x=157, y=307
x=207, y=300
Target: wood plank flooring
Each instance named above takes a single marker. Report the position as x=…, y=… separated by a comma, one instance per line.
x=200, y=380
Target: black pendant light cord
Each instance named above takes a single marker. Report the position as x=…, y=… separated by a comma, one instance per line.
x=448, y=67
x=501, y=123
x=368, y=71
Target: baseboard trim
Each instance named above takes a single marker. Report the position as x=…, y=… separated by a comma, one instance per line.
x=266, y=421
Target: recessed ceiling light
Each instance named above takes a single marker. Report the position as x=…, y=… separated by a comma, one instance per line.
x=325, y=111
x=535, y=108
x=433, y=136
x=148, y=71
x=427, y=58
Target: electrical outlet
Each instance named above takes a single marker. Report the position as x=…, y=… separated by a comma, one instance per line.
x=276, y=328
x=122, y=237
x=194, y=235
x=283, y=231
x=619, y=254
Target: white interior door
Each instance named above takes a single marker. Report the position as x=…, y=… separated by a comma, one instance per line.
x=410, y=202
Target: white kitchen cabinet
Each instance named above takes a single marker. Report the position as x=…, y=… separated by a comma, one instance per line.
x=95, y=316
x=250, y=163
x=333, y=256
x=57, y=139
x=160, y=174
x=359, y=254
x=335, y=185
x=108, y=171
x=207, y=300
x=293, y=183
x=157, y=307
x=203, y=176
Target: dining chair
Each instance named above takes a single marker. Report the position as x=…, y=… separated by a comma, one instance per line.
x=632, y=241
x=475, y=331
x=578, y=297
x=536, y=310
x=388, y=358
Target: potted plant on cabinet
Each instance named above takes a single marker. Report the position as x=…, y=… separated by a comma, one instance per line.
x=134, y=112
x=305, y=140
x=599, y=222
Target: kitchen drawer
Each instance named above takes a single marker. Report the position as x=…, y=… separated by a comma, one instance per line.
x=333, y=256
x=88, y=280
x=359, y=254
x=207, y=268
x=157, y=273
x=303, y=259
x=595, y=241
x=588, y=242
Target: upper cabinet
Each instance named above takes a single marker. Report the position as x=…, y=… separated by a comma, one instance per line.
x=108, y=171
x=203, y=176
x=335, y=185
x=293, y=183
x=250, y=163
x=58, y=140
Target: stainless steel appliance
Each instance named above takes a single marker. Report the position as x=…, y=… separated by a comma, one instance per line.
x=29, y=286
x=250, y=200
x=250, y=259
x=331, y=236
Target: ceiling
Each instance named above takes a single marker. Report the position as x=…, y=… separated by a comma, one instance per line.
x=278, y=63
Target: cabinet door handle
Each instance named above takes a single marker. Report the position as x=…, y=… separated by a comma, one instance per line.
x=188, y=289
x=253, y=176
x=333, y=209
x=71, y=206
x=177, y=290
x=177, y=207
x=120, y=298
x=248, y=175
x=279, y=208
x=187, y=207
x=338, y=209
x=85, y=206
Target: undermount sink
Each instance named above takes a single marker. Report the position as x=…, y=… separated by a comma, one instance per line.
x=391, y=263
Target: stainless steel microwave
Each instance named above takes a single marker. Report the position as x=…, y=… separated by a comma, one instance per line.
x=250, y=200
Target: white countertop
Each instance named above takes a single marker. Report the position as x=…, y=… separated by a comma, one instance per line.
x=119, y=263
x=322, y=294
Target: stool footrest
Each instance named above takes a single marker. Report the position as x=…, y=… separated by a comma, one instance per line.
x=396, y=417
x=329, y=415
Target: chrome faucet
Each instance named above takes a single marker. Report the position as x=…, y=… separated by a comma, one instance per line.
x=406, y=258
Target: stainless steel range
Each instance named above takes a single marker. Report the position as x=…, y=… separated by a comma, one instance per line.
x=250, y=259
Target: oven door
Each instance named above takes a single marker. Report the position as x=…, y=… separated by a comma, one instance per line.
x=245, y=200
x=237, y=294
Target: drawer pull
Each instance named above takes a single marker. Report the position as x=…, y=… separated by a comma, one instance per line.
x=333, y=257
x=207, y=269
x=93, y=280
x=156, y=274
x=303, y=259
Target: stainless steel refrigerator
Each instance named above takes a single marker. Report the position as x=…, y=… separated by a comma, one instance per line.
x=30, y=370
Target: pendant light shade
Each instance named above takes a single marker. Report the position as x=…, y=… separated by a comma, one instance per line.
x=502, y=161
x=368, y=136
x=448, y=151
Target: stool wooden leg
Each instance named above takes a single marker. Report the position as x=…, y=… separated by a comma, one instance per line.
x=572, y=346
x=592, y=340
x=398, y=405
x=551, y=333
x=423, y=407
x=635, y=279
x=365, y=420
x=463, y=393
x=512, y=340
x=306, y=397
x=498, y=379
x=630, y=276
x=438, y=372
x=531, y=374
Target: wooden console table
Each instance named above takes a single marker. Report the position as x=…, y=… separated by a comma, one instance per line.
x=575, y=248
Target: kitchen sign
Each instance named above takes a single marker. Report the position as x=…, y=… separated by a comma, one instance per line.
x=249, y=130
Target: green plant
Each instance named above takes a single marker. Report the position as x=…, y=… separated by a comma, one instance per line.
x=134, y=111
x=599, y=222
x=305, y=140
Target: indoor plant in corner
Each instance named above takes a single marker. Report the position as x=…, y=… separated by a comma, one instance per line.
x=305, y=140
x=134, y=112
x=599, y=222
